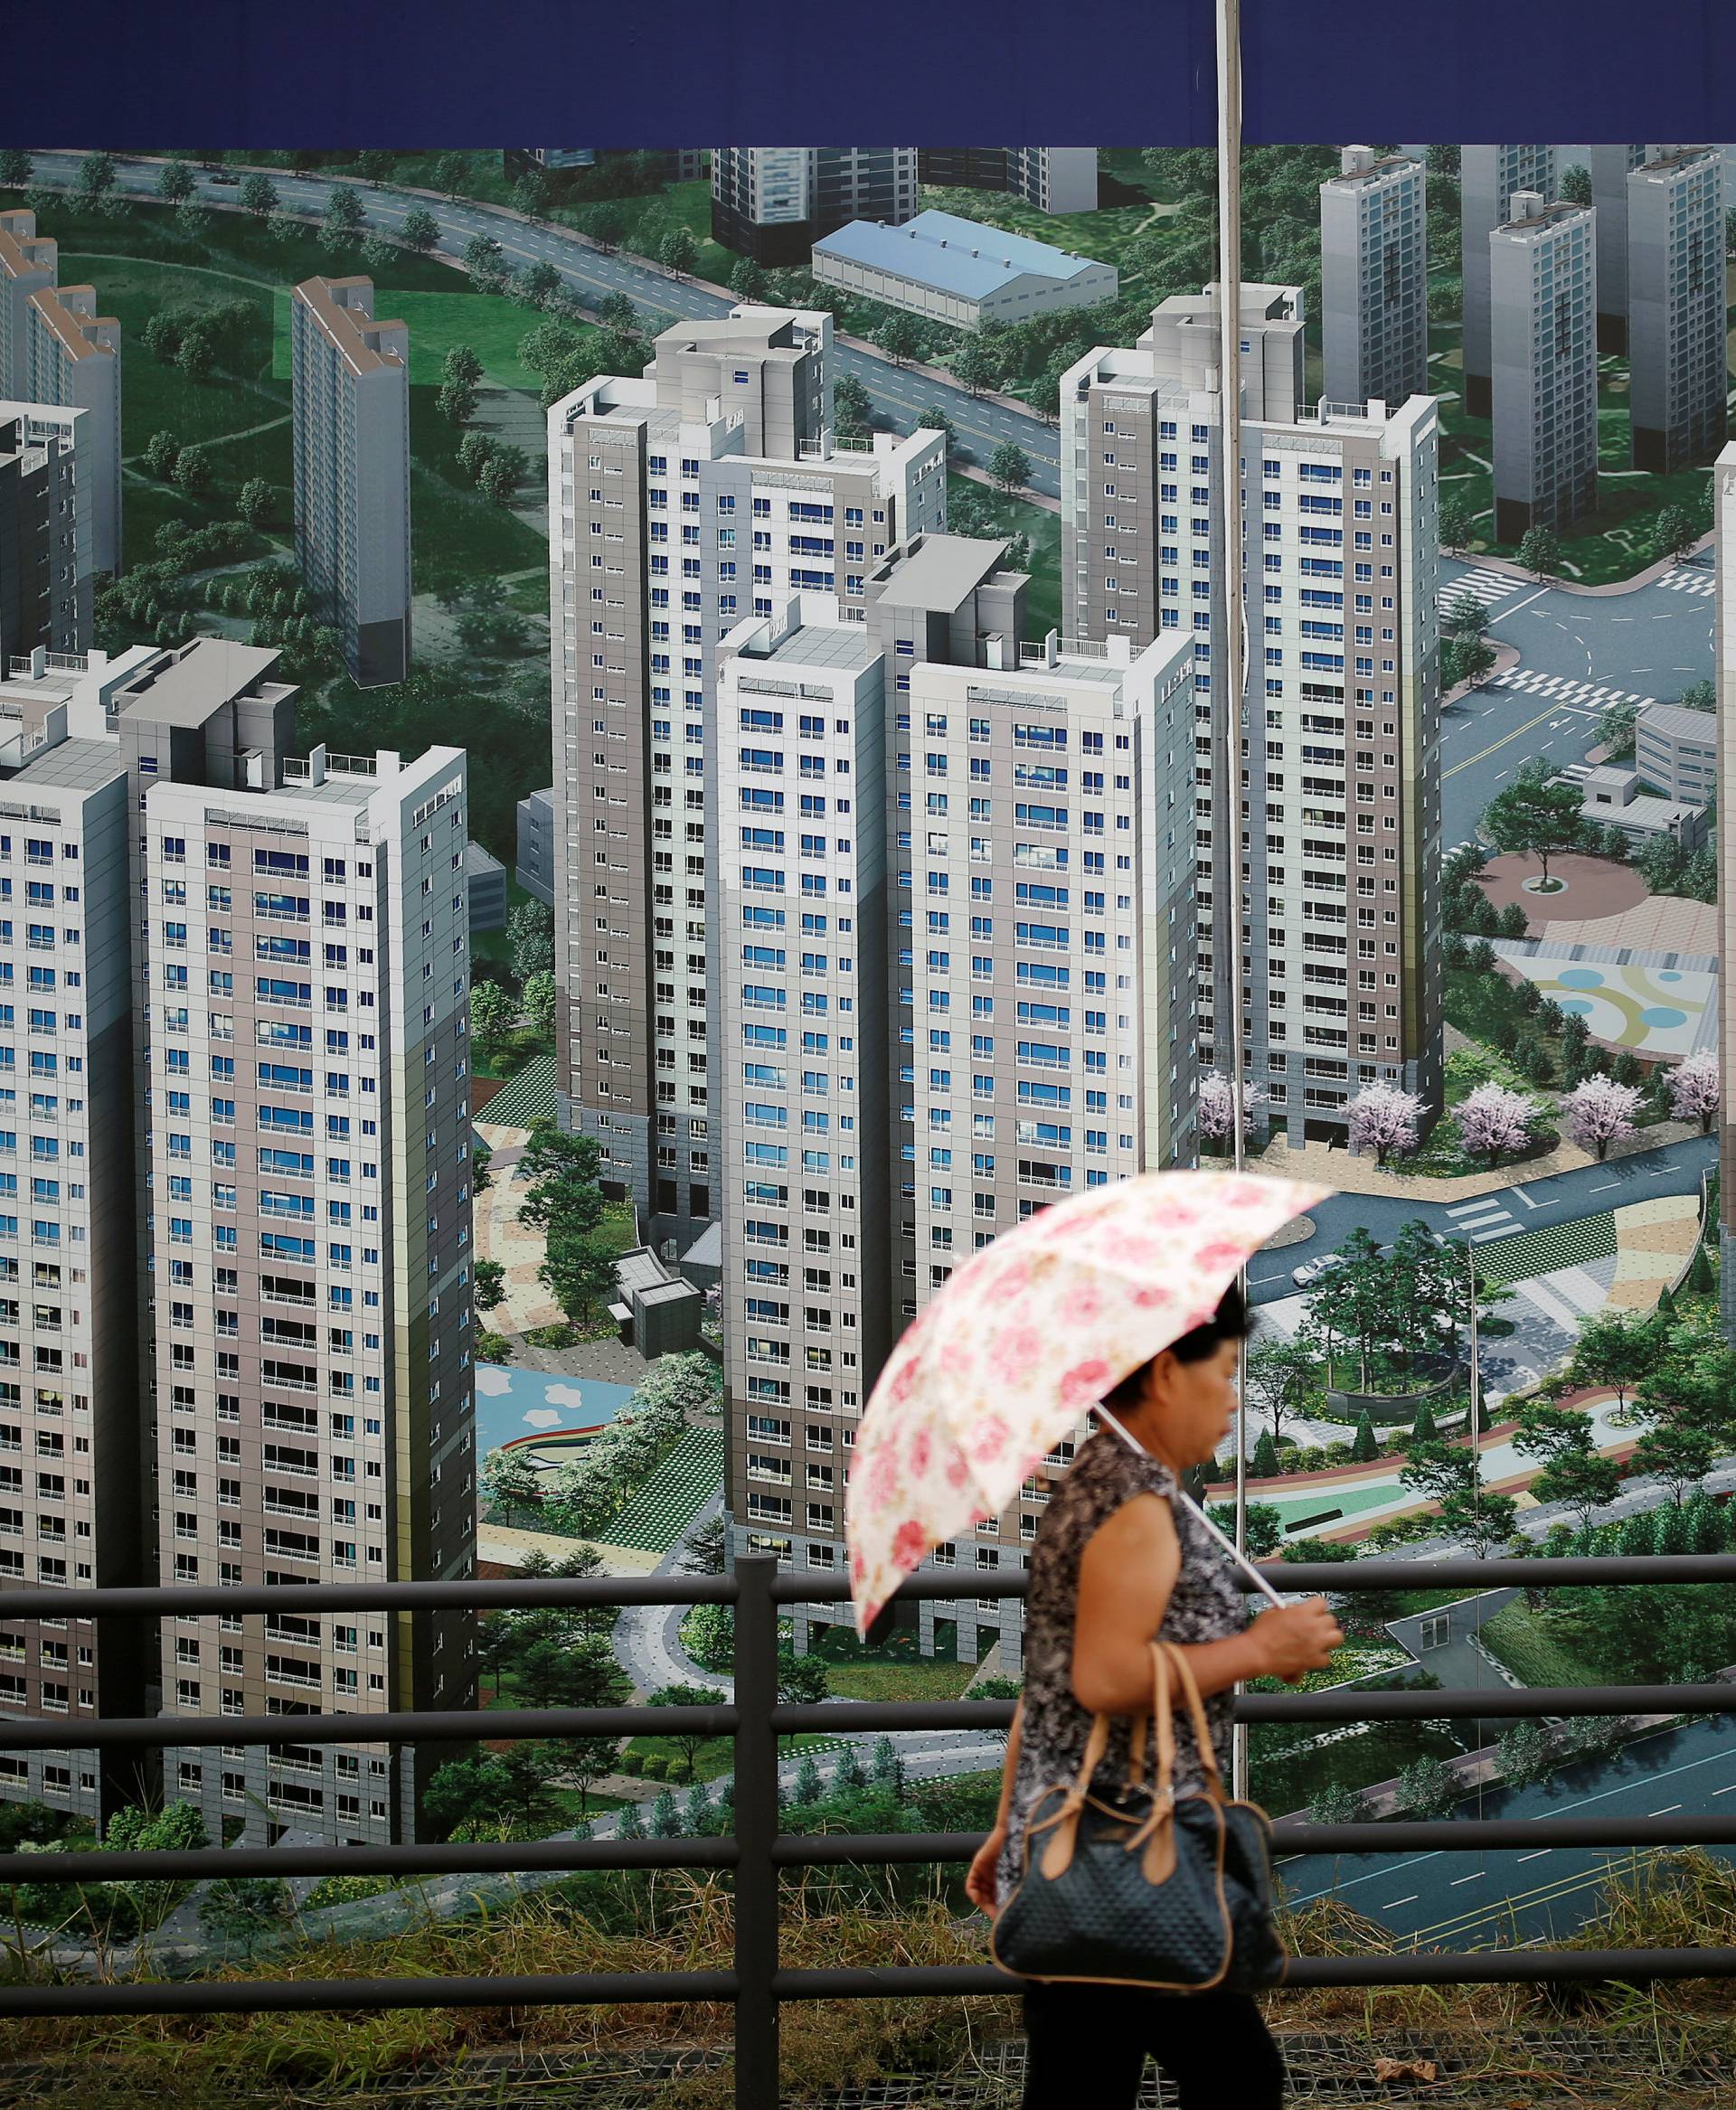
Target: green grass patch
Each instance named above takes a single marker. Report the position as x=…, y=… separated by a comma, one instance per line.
x=1529, y=1644
x=1018, y=516
x=507, y=1058
x=1381, y=1753
x=456, y=533
x=493, y=327
x=1564, y=1245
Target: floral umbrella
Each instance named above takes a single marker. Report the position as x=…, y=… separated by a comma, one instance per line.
x=1028, y=1334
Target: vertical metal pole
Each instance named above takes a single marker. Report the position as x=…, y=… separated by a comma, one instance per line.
x=756, y=1828
x=1231, y=673
x=1470, y=1265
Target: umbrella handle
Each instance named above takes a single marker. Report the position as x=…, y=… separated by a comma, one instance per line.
x=1240, y=1558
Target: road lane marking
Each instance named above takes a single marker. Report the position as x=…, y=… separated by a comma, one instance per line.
x=1395, y=1903
x=1476, y=1875
x=1664, y=1811
x=1538, y=1855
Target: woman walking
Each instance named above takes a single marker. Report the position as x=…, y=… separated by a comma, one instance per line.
x=1115, y=1564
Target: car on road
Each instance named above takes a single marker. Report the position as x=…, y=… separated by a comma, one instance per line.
x=1310, y=1271
x=225, y=175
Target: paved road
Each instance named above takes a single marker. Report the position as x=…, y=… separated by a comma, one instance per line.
x=1578, y=654
x=1468, y=1899
x=590, y=275
x=1673, y=1168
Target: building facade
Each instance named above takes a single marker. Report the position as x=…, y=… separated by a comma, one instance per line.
x=1374, y=279
x=1341, y=791
x=1488, y=176
x=1724, y=498
x=350, y=378
x=1677, y=750
x=1050, y=179
x=45, y=582
x=682, y=502
x=1542, y=297
x=773, y=203
x=73, y=363
x=534, y=859
x=1610, y=168
x=29, y=264
x=1678, y=366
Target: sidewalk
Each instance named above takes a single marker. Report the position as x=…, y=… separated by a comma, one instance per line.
x=1336, y=1168
x=1653, y=572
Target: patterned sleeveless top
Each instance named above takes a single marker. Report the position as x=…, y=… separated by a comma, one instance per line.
x=1205, y=1604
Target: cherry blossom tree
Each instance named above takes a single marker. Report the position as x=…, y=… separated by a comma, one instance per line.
x=1218, y=1105
x=1695, y=1088
x=1600, y=1111
x=1384, y=1118
x=1493, y=1122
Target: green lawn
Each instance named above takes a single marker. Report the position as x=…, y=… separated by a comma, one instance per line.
x=1018, y=516
x=896, y=1671
x=1532, y=1649
x=492, y=327
x=1381, y=1753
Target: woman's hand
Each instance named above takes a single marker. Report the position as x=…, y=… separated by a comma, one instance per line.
x=979, y=1884
x=1295, y=1639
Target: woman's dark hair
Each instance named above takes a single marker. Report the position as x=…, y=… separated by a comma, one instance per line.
x=1232, y=1321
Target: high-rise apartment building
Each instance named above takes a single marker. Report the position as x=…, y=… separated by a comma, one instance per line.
x=1677, y=362
x=1723, y=497
x=350, y=379
x=1610, y=168
x=1543, y=298
x=1374, y=279
x=72, y=362
x=1051, y=179
x=976, y=1000
x=45, y=583
x=248, y=1134
x=773, y=203
x=1487, y=178
x=1341, y=792
x=680, y=503
x=29, y=263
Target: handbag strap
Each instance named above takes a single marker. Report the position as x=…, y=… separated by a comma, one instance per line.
x=1196, y=1711
x=1063, y=1828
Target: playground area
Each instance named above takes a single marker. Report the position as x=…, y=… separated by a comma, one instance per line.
x=1661, y=1005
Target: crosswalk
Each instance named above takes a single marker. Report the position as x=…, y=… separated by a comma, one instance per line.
x=1482, y=584
x=1690, y=579
x=1528, y=681
x=1483, y=1218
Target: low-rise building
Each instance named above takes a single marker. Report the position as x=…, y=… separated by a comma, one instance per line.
x=960, y=271
x=1677, y=750
x=1613, y=798
x=535, y=864
x=486, y=879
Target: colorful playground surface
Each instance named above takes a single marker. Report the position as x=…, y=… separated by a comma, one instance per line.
x=517, y=1405
x=1660, y=1005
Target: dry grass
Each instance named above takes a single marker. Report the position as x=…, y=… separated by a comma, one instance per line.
x=1527, y=2044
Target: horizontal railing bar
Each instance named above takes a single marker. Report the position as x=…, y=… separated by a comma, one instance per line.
x=344, y=1995
x=1463, y=1704
x=37, y=1733
x=849, y=1717
x=194, y=1601
x=1490, y=1835
x=513, y=1857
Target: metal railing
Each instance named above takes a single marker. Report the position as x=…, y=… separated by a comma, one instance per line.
x=758, y=1984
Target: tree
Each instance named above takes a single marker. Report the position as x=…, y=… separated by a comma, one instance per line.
x=1551, y=1433
x=1495, y=1123
x=1218, y=1103
x=852, y=411
x=542, y=1000
x=707, y=1551
x=421, y=231
x=1524, y=1749
x=492, y=1015
x=975, y=366
x=678, y=251
x=1467, y=615
x=560, y=1170
x=747, y=281
x=462, y=363
x=510, y=1482
x=244, y=1908
x=1699, y=696
x=1467, y=659
x=175, y=181
x=1676, y=531
x=900, y=338
x=801, y=1679
x=1679, y=1455
x=343, y=216
x=499, y=480
x=1600, y=1111
x=258, y=195
x=606, y=223
x=1337, y=1804
x=1448, y=1474
x=1428, y=1787
x=376, y=165
x=886, y=1769
x=15, y=166
x=809, y=1786
x=94, y=181
x=1279, y=1377
x=1535, y=818
x=531, y=195
x=935, y=420
x=1364, y=1447
x=162, y=450
x=1264, y=1463
x=193, y=470
x=686, y=1738
x=1574, y=184
x=579, y=1272
x=1581, y=1480
x=1383, y=1119
x=1456, y=523
x=486, y=262
x=1539, y=551
x=1264, y=1533
x=255, y=502
x=1695, y=1088
x=530, y=936
x=451, y=174
x=1010, y=466
x=456, y=401
x=488, y=1281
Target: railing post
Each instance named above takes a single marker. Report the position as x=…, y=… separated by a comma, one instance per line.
x=756, y=1829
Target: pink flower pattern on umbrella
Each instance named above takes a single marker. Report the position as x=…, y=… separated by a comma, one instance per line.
x=1025, y=1337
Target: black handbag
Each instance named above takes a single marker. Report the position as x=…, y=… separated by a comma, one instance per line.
x=1170, y=1892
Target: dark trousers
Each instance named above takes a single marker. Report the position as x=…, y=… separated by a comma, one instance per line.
x=1087, y=2046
